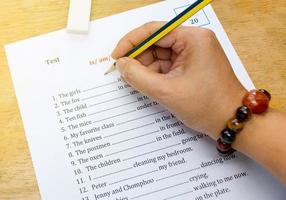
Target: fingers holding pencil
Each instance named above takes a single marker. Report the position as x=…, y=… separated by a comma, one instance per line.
x=150, y=37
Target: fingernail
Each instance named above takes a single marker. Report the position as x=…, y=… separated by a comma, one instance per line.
x=120, y=64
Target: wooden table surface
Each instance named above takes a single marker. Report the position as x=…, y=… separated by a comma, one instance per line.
x=257, y=30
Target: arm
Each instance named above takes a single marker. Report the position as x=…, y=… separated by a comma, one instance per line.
x=264, y=140
x=188, y=73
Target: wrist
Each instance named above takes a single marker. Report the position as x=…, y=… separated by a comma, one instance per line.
x=254, y=102
x=226, y=110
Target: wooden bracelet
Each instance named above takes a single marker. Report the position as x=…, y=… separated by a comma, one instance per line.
x=254, y=102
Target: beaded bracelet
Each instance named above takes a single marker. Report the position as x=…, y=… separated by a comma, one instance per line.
x=256, y=102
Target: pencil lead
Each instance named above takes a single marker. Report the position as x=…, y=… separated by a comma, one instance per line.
x=110, y=69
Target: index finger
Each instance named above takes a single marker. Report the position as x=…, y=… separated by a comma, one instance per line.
x=133, y=38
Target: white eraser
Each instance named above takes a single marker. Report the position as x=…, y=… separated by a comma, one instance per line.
x=79, y=16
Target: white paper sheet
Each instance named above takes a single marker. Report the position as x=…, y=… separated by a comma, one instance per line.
x=93, y=137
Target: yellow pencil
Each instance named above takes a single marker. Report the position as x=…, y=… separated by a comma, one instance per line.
x=164, y=30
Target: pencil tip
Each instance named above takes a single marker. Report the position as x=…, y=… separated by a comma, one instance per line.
x=111, y=69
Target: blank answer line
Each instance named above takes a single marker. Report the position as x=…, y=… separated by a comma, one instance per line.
x=107, y=84
x=178, y=195
x=109, y=100
x=101, y=111
x=141, y=145
x=114, y=134
x=98, y=95
x=177, y=174
x=135, y=137
x=122, y=170
x=162, y=189
x=133, y=177
x=151, y=152
x=114, y=116
x=140, y=117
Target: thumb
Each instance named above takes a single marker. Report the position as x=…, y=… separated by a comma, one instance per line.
x=143, y=79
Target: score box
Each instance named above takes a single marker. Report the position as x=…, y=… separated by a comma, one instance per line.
x=199, y=19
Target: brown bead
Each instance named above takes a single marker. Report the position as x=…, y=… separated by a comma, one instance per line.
x=234, y=125
x=223, y=147
x=256, y=101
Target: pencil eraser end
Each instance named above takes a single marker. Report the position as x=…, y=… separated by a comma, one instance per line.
x=79, y=16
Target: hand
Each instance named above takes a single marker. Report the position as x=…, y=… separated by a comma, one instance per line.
x=187, y=72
